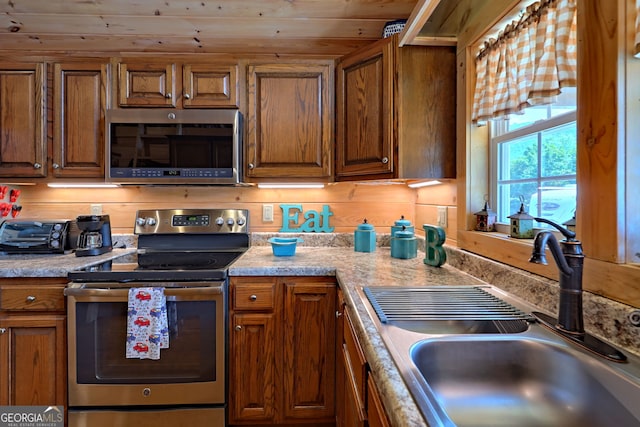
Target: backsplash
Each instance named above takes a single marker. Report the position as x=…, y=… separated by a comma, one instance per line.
x=381, y=202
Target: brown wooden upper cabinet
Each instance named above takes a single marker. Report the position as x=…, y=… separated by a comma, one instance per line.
x=22, y=131
x=80, y=91
x=290, y=121
x=395, y=112
x=177, y=85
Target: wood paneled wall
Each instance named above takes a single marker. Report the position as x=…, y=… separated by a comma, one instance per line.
x=350, y=203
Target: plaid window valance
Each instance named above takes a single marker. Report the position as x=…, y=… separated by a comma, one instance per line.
x=529, y=62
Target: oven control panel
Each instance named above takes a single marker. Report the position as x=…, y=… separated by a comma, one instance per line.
x=197, y=220
x=187, y=221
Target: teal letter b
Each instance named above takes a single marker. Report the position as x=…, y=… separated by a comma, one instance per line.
x=433, y=250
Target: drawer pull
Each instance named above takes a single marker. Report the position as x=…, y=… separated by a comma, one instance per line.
x=3, y=330
x=31, y=298
x=253, y=297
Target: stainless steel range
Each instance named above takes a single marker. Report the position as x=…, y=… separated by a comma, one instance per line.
x=186, y=254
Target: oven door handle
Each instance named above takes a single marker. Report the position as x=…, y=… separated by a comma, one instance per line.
x=122, y=294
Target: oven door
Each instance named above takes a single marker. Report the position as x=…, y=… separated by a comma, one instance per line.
x=190, y=371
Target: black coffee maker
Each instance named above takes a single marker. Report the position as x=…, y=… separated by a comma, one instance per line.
x=95, y=235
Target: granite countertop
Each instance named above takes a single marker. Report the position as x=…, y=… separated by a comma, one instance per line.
x=52, y=265
x=355, y=270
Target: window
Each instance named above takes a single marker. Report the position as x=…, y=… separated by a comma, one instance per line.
x=534, y=161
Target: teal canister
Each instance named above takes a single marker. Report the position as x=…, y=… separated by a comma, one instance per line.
x=404, y=244
x=399, y=223
x=364, y=238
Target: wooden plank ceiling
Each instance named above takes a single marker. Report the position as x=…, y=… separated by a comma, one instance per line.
x=281, y=27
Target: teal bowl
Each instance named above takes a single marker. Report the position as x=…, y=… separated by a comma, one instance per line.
x=284, y=246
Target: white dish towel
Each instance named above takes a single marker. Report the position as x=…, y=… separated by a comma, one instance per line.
x=147, y=326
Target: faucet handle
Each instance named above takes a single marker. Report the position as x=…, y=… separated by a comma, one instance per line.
x=569, y=235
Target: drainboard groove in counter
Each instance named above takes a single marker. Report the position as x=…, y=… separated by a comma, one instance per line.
x=439, y=303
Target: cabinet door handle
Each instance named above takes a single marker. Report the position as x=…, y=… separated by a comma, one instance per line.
x=31, y=298
x=187, y=96
x=253, y=297
x=338, y=314
x=3, y=330
x=385, y=160
x=55, y=166
x=168, y=95
x=37, y=165
x=238, y=327
x=251, y=166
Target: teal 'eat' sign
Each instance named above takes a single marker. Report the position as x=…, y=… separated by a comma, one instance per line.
x=317, y=222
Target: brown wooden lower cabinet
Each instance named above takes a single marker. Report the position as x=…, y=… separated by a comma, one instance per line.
x=282, y=350
x=33, y=342
x=376, y=414
x=358, y=401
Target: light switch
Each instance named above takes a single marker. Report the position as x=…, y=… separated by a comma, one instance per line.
x=267, y=213
x=96, y=209
x=442, y=216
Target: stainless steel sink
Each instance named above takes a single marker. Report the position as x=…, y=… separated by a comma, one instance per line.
x=521, y=382
x=468, y=372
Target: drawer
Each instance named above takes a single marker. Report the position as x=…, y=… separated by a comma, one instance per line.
x=254, y=296
x=355, y=362
x=32, y=299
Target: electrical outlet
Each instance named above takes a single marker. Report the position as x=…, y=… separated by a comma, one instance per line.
x=442, y=216
x=267, y=213
x=96, y=209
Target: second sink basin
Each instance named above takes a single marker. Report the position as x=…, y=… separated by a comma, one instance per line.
x=520, y=382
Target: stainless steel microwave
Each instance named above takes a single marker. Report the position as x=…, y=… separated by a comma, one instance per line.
x=170, y=146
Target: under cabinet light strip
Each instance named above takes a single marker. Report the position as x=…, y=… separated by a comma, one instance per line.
x=290, y=185
x=423, y=184
x=81, y=185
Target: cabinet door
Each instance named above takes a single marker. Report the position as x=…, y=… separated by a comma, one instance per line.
x=147, y=85
x=349, y=409
x=22, y=136
x=425, y=106
x=309, y=349
x=252, y=363
x=209, y=86
x=289, y=123
x=364, y=111
x=79, y=108
x=375, y=410
x=32, y=353
x=341, y=374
